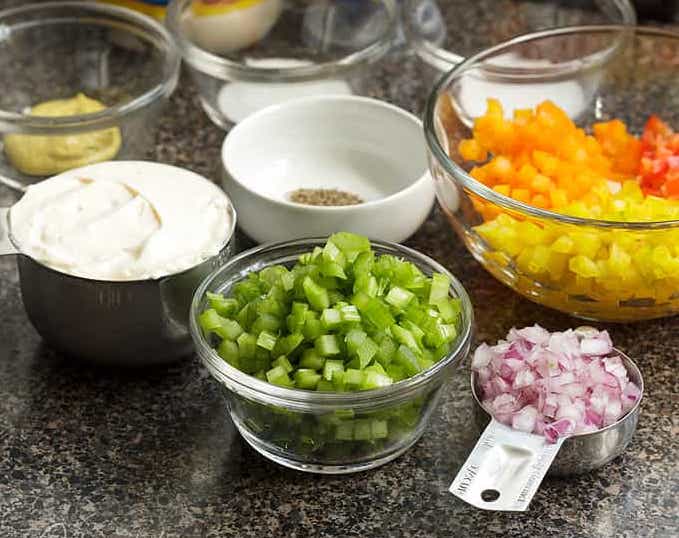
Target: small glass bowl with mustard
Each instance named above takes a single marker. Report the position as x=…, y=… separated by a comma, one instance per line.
x=85, y=83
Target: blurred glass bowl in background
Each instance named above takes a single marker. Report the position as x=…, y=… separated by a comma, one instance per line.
x=291, y=49
x=441, y=37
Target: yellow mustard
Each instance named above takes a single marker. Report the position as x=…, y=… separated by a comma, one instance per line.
x=43, y=155
x=219, y=7
x=154, y=8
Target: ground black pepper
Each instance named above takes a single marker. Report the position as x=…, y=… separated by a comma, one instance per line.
x=324, y=197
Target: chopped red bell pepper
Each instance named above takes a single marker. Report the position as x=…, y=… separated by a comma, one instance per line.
x=659, y=168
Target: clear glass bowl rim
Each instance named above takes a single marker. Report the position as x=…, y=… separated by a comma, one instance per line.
x=311, y=400
x=222, y=68
x=37, y=124
x=487, y=194
x=440, y=56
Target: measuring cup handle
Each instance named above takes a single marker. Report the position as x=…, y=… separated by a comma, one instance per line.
x=6, y=245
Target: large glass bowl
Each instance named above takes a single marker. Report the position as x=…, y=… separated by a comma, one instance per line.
x=595, y=74
x=56, y=50
x=303, y=429
x=265, y=52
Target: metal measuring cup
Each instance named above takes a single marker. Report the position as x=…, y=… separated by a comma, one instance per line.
x=122, y=323
x=514, y=463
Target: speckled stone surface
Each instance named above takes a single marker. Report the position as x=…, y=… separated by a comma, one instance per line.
x=86, y=452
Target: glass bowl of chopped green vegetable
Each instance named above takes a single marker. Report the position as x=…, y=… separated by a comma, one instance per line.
x=332, y=353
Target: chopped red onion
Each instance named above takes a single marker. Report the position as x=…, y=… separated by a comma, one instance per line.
x=554, y=384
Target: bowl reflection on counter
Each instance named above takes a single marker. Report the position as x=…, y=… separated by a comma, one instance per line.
x=624, y=73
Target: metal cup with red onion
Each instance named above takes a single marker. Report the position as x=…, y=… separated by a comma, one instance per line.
x=560, y=403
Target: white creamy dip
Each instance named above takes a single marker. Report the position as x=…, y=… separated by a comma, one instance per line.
x=122, y=221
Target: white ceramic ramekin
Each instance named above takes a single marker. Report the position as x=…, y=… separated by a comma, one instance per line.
x=354, y=144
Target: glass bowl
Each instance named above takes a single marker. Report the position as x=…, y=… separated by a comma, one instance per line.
x=594, y=73
x=269, y=51
x=57, y=50
x=441, y=38
x=304, y=429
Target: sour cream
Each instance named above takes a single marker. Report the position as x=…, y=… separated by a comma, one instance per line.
x=122, y=221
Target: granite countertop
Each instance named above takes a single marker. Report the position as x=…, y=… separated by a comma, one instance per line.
x=88, y=452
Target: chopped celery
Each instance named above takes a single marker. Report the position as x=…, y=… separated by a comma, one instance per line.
x=449, y=309
x=350, y=244
x=228, y=351
x=330, y=367
x=290, y=343
x=332, y=253
x=247, y=315
x=344, y=431
x=366, y=283
x=377, y=367
x=327, y=345
x=353, y=378
x=229, y=330
x=386, y=350
x=413, y=329
x=311, y=359
x=284, y=363
x=288, y=281
x=278, y=376
x=247, y=344
x=332, y=269
x=313, y=328
x=380, y=429
x=266, y=340
x=325, y=386
x=354, y=339
x=349, y=314
x=247, y=291
x=338, y=381
x=440, y=286
x=331, y=318
x=272, y=275
x=296, y=318
x=335, y=297
x=315, y=294
x=396, y=372
x=266, y=322
x=406, y=358
x=341, y=319
x=366, y=351
x=360, y=300
x=374, y=380
x=405, y=337
x=399, y=298
x=307, y=379
x=378, y=313
x=362, y=430
x=364, y=263
x=209, y=320
x=224, y=306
